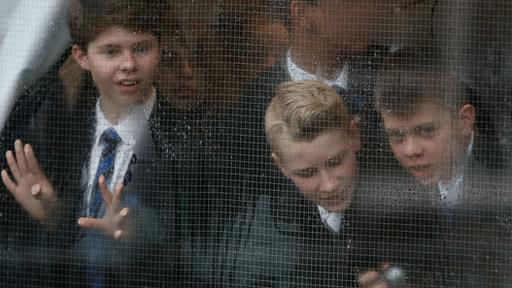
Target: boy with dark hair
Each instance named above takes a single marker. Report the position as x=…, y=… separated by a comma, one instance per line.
x=430, y=122
x=99, y=147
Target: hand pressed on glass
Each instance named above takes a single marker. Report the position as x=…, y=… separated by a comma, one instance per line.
x=116, y=221
x=30, y=186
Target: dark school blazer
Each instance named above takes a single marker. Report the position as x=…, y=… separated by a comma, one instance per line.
x=62, y=140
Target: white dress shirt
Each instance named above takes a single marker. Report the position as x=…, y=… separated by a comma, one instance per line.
x=129, y=130
x=451, y=192
x=298, y=74
x=332, y=221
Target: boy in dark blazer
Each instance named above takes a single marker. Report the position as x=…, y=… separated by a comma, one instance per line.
x=303, y=233
x=99, y=195
x=454, y=179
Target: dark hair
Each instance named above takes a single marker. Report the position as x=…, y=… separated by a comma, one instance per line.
x=415, y=76
x=88, y=18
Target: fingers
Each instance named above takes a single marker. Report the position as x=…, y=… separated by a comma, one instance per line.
x=36, y=190
x=90, y=223
x=379, y=284
x=116, y=200
x=32, y=163
x=24, y=162
x=11, y=186
x=368, y=278
x=20, y=157
x=13, y=166
x=372, y=279
x=119, y=219
x=105, y=192
x=112, y=226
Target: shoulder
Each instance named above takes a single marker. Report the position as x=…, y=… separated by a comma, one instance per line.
x=486, y=187
x=168, y=125
x=261, y=89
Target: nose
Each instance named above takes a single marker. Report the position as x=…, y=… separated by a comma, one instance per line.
x=128, y=62
x=412, y=148
x=328, y=182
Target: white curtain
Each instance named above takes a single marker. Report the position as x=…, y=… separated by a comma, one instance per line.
x=33, y=34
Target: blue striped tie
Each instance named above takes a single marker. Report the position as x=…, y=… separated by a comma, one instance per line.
x=109, y=140
x=95, y=272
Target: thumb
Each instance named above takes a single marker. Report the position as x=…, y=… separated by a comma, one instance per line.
x=36, y=190
x=46, y=190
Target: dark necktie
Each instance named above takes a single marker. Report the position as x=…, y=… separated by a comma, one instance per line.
x=109, y=141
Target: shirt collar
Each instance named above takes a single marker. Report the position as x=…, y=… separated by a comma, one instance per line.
x=130, y=127
x=451, y=191
x=332, y=220
x=298, y=74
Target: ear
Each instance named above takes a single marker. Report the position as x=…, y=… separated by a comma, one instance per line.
x=467, y=116
x=80, y=56
x=355, y=138
x=298, y=10
x=280, y=164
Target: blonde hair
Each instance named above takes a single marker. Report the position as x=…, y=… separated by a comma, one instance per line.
x=302, y=110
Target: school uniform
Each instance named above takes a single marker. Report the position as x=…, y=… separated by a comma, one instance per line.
x=246, y=176
x=280, y=241
x=445, y=241
x=63, y=140
x=244, y=153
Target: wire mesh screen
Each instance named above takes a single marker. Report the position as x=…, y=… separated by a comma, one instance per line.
x=277, y=143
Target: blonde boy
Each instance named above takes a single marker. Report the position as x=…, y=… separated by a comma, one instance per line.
x=314, y=142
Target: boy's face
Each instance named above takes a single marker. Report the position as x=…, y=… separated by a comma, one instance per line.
x=122, y=64
x=324, y=170
x=349, y=27
x=431, y=142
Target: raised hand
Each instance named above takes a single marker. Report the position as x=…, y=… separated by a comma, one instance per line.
x=116, y=221
x=30, y=186
x=372, y=279
x=387, y=276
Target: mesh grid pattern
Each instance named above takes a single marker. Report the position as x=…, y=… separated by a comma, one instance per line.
x=238, y=175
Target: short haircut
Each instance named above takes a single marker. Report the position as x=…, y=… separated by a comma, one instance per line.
x=302, y=110
x=414, y=77
x=88, y=18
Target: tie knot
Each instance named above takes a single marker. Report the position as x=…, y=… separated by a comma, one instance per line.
x=110, y=138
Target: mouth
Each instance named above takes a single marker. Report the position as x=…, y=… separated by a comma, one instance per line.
x=128, y=82
x=420, y=168
x=341, y=195
x=421, y=171
x=336, y=202
x=128, y=86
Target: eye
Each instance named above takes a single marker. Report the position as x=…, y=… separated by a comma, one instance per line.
x=305, y=173
x=110, y=51
x=396, y=136
x=336, y=160
x=426, y=131
x=142, y=49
